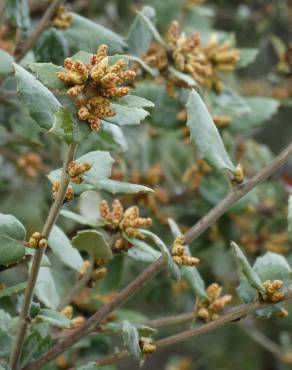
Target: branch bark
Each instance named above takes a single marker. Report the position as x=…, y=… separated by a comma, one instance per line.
x=148, y=274
x=51, y=219
x=233, y=315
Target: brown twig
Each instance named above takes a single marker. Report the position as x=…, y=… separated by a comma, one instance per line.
x=148, y=274
x=51, y=219
x=233, y=315
x=42, y=25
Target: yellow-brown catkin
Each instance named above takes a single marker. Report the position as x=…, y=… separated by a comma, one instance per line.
x=75, y=171
x=62, y=18
x=209, y=309
x=94, y=85
x=36, y=241
x=147, y=345
x=69, y=195
x=68, y=312
x=128, y=221
x=180, y=255
x=30, y=163
x=237, y=175
x=77, y=321
x=273, y=292
x=84, y=268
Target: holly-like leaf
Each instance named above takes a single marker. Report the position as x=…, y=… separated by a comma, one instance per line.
x=205, y=135
x=172, y=266
x=61, y=247
x=54, y=318
x=12, y=234
x=7, y=292
x=84, y=34
x=131, y=339
x=92, y=242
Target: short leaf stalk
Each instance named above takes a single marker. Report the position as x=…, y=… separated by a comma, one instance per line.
x=50, y=221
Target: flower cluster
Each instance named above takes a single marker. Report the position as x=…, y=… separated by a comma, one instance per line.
x=95, y=84
x=237, y=174
x=75, y=171
x=194, y=174
x=188, y=55
x=62, y=18
x=180, y=255
x=36, y=241
x=30, y=163
x=273, y=293
x=146, y=345
x=118, y=220
x=208, y=309
x=69, y=195
x=68, y=312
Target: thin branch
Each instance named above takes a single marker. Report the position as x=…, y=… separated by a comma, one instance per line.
x=51, y=219
x=42, y=25
x=233, y=315
x=77, y=288
x=148, y=274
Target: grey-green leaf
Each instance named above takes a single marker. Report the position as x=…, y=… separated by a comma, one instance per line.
x=247, y=56
x=40, y=103
x=12, y=234
x=61, y=247
x=205, y=135
x=46, y=73
x=7, y=292
x=114, y=187
x=54, y=318
x=131, y=339
x=63, y=125
x=6, y=65
x=141, y=251
x=246, y=269
x=92, y=242
x=45, y=288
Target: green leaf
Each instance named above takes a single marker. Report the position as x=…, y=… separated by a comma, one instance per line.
x=246, y=269
x=61, y=247
x=141, y=251
x=115, y=187
x=54, y=318
x=205, y=135
x=190, y=273
x=46, y=73
x=135, y=101
x=79, y=218
x=12, y=234
x=86, y=35
x=6, y=65
x=140, y=36
x=63, y=125
x=38, y=100
x=45, y=288
x=172, y=266
x=272, y=266
x=131, y=339
x=92, y=242
x=17, y=12
x=152, y=71
x=51, y=46
x=127, y=115
x=187, y=79
x=290, y=217
x=7, y=292
x=247, y=56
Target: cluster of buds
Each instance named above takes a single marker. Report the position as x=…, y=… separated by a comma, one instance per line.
x=75, y=171
x=77, y=321
x=222, y=120
x=272, y=293
x=147, y=346
x=208, y=309
x=36, y=241
x=220, y=57
x=68, y=312
x=69, y=195
x=118, y=220
x=95, y=84
x=180, y=255
x=62, y=18
x=193, y=175
x=30, y=163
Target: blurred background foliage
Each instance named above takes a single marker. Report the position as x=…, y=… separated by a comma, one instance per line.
x=258, y=100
